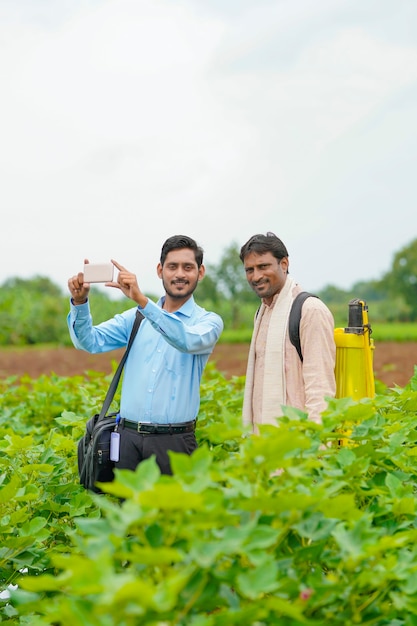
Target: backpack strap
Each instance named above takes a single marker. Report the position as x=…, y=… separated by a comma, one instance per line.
x=294, y=320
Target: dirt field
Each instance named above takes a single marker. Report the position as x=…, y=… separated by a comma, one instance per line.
x=393, y=362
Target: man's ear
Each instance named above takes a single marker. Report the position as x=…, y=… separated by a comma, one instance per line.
x=159, y=270
x=201, y=272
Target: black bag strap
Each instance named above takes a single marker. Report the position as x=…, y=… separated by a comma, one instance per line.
x=295, y=317
x=115, y=381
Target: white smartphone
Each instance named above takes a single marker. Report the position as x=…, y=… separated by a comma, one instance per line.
x=98, y=272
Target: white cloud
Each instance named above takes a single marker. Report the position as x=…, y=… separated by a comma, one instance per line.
x=125, y=122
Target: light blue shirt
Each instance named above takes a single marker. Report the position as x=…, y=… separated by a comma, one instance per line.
x=162, y=373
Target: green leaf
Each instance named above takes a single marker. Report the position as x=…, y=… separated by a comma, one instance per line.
x=9, y=491
x=394, y=485
x=262, y=537
x=255, y=583
x=33, y=527
x=154, y=556
x=193, y=469
x=404, y=506
x=40, y=583
x=40, y=468
x=170, y=496
x=340, y=507
x=284, y=608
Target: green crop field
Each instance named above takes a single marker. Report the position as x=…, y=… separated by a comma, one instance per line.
x=304, y=524
x=380, y=332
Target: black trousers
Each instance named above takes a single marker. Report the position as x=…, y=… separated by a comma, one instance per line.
x=136, y=447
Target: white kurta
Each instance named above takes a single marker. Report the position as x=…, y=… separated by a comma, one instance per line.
x=275, y=375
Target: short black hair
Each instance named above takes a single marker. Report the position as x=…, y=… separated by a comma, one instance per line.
x=177, y=242
x=264, y=243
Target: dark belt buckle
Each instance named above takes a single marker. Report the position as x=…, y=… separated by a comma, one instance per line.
x=148, y=429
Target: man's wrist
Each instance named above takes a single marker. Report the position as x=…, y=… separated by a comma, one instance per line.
x=142, y=301
x=77, y=303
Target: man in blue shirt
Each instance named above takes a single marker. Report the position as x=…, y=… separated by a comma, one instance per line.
x=160, y=394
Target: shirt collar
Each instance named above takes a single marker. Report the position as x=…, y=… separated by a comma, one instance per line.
x=186, y=309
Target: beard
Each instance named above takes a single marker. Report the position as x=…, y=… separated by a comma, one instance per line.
x=187, y=289
x=264, y=290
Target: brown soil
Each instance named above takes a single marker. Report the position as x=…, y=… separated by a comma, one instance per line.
x=393, y=362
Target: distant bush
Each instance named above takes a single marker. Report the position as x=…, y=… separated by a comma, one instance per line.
x=35, y=312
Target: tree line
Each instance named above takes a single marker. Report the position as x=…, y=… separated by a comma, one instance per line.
x=34, y=311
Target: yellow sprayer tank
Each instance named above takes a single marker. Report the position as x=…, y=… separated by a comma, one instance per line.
x=354, y=355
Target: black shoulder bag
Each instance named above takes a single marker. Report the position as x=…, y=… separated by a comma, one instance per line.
x=94, y=464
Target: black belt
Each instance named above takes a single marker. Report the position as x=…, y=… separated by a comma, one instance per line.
x=159, y=429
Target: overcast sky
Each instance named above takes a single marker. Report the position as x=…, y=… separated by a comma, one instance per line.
x=123, y=122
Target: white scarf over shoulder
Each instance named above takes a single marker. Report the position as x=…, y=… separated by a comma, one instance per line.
x=274, y=384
